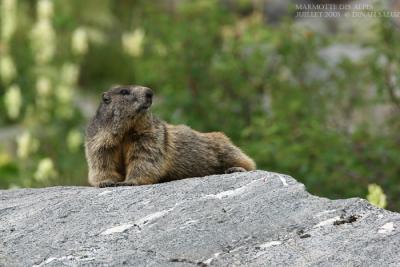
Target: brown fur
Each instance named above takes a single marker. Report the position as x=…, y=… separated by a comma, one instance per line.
x=127, y=145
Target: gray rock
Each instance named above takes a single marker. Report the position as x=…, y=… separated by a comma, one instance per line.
x=244, y=219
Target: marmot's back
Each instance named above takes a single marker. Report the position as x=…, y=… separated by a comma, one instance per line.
x=193, y=154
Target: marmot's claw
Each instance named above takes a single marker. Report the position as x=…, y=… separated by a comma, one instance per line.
x=105, y=184
x=115, y=184
x=108, y=184
x=125, y=184
x=235, y=169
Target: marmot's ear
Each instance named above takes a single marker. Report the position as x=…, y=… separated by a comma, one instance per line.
x=106, y=98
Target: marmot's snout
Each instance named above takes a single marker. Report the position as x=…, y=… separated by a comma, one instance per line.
x=148, y=96
x=147, y=99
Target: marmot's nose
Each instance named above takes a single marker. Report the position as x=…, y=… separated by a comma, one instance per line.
x=148, y=94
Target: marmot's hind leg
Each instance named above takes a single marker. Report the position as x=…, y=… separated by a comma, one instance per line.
x=232, y=159
x=236, y=161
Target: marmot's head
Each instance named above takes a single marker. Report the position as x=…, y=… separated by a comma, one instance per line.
x=123, y=107
x=128, y=101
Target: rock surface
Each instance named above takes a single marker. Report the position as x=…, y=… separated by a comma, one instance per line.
x=243, y=219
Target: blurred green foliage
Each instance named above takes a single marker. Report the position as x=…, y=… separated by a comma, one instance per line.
x=213, y=67
x=376, y=196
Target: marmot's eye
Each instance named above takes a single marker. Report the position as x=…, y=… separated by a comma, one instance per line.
x=124, y=92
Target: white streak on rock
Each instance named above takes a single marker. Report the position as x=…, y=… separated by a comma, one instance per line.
x=270, y=244
x=105, y=193
x=187, y=224
x=327, y=222
x=209, y=261
x=324, y=212
x=151, y=217
x=386, y=228
x=63, y=259
x=139, y=223
x=231, y=193
x=117, y=229
x=45, y=262
x=283, y=180
x=190, y=222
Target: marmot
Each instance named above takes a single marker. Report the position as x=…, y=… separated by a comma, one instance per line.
x=127, y=145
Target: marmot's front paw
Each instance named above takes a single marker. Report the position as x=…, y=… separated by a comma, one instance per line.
x=116, y=184
x=235, y=169
x=107, y=184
